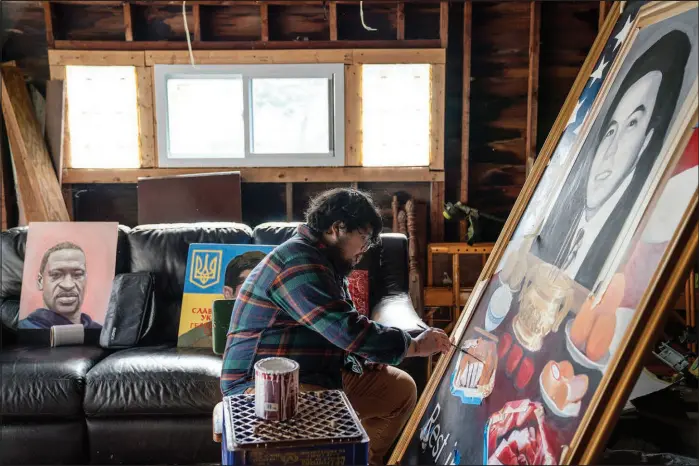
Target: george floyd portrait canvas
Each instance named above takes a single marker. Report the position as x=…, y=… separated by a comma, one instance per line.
x=553, y=335
x=68, y=273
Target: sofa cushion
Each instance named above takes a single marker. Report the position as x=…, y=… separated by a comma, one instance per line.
x=45, y=382
x=154, y=381
x=56, y=442
x=162, y=250
x=274, y=233
x=14, y=243
x=152, y=440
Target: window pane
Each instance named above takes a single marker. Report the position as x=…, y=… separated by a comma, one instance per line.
x=205, y=117
x=290, y=116
x=396, y=115
x=102, y=116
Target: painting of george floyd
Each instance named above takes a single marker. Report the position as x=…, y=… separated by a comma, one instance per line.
x=598, y=238
x=68, y=273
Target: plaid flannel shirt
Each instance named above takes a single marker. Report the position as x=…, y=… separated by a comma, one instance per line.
x=294, y=305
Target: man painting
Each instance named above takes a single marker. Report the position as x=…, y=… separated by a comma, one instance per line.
x=62, y=280
x=614, y=163
x=296, y=304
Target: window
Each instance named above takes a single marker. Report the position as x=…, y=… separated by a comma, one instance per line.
x=396, y=115
x=102, y=116
x=250, y=115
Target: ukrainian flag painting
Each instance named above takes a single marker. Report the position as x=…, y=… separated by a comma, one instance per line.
x=214, y=271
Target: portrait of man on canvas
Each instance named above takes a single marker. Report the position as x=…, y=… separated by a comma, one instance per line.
x=614, y=163
x=237, y=271
x=62, y=281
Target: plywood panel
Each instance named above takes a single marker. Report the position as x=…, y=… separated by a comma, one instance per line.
x=298, y=23
x=161, y=22
x=240, y=22
x=382, y=17
x=88, y=22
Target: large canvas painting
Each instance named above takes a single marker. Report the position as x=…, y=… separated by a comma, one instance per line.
x=68, y=274
x=214, y=271
x=553, y=333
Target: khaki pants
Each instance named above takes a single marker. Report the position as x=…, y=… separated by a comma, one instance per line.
x=384, y=400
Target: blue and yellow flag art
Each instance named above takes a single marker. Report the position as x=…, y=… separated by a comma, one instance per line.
x=214, y=271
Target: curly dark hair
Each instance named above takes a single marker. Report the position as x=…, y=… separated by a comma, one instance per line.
x=353, y=208
x=245, y=261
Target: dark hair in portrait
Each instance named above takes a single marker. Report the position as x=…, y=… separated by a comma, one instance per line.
x=668, y=56
x=354, y=208
x=57, y=247
x=239, y=264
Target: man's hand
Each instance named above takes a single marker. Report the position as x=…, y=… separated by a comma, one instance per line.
x=429, y=342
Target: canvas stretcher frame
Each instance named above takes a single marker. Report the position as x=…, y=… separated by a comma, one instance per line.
x=608, y=400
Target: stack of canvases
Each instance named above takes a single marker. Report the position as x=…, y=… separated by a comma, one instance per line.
x=36, y=178
x=552, y=342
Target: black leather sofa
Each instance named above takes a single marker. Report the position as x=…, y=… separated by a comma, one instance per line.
x=151, y=404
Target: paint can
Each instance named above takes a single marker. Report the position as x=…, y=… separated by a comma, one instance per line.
x=62, y=335
x=276, y=388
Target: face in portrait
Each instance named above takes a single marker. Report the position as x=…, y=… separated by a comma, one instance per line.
x=238, y=270
x=614, y=163
x=62, y=281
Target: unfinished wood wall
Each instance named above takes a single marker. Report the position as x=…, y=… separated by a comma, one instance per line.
x=486, y=169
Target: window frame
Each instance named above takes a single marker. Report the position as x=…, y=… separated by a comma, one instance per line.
x=335, y=72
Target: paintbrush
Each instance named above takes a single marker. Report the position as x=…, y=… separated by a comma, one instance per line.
x=456, y=346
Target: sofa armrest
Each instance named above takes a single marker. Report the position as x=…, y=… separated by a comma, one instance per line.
x=397, y=311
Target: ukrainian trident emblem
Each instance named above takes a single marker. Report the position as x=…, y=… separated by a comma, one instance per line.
x=206, y=269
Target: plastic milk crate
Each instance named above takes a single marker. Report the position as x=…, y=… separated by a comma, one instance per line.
x=324, y=431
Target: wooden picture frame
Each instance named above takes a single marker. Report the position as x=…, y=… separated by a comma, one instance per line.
x=450, y=426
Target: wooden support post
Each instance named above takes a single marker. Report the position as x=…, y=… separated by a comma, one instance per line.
x=289, y=199
x=400, y=21
x=465, y=115
x=455, y=288
x=444, y=24
x=48, y=19
x=196, y=14
x=437, y=107
x=332, y=17
x=146, y=132
x=353, y=115
x=128, y=23
x=436, y=211
x=533, y=84
x=264, y=17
